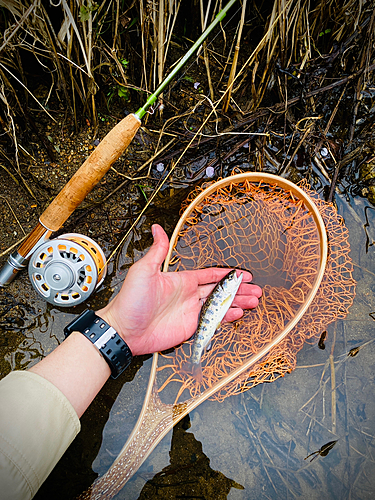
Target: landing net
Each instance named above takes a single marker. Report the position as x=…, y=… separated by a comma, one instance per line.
x=264, y=229
x=264, y=224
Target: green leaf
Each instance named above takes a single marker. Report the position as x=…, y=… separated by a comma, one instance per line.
x=84, y=13
x=325, y=32
x=123, y=92
x=142, y=191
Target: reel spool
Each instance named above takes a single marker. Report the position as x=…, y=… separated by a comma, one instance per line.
x=66, y=270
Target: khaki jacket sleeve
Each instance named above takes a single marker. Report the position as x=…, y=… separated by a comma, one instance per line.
x=37, y=424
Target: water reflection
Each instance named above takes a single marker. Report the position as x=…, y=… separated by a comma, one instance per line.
x=189, y=474
x=27, y=329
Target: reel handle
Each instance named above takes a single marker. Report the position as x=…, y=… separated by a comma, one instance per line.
x=90, y=173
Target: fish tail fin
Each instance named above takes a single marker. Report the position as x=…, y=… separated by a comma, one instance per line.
x=187, y=367
x=197, y=372
x=193, y=369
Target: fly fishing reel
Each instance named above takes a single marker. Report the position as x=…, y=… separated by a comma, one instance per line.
x=66, y=270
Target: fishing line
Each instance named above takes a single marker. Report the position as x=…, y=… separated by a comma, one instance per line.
x=27, y=90
x=152, y=197
x=220, y=134
x=98, y=164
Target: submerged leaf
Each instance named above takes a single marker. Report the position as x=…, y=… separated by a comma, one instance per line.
x=323, y=451
x=353, y=352
x=322, y=339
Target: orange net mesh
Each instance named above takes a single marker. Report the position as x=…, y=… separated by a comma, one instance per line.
x=265, y=230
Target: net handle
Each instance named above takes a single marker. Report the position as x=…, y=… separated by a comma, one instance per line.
x=301, y=195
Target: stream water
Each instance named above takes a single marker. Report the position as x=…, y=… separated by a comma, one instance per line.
x=255, y=445
x=250, y=446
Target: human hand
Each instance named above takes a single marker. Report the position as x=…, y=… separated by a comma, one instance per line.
x=155, y=310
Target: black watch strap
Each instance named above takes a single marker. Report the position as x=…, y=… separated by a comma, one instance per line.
x=113, y=349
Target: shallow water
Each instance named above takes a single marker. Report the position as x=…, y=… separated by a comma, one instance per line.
x=250, y=446
x=254, y=445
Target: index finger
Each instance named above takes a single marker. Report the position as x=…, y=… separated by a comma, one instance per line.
x=215, y=274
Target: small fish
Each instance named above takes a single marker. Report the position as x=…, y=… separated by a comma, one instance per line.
x=211, y=316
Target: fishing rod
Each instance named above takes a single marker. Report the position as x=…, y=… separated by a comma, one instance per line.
x=58, y=265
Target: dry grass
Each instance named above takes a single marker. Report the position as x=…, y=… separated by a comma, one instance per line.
x=77, y=42
x=90, y=55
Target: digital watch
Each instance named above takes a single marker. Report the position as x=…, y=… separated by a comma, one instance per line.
x=105, y=338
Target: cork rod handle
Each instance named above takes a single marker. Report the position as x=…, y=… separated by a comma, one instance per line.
x=90, y=173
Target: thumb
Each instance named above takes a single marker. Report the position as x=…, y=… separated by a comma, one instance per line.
x=159, y=249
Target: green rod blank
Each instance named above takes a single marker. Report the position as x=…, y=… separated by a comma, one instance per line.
x=153, y=97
